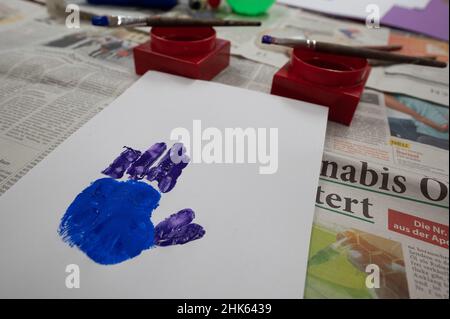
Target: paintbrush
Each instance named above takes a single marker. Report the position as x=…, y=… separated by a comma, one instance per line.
x=160, y=21
x=346, y=50
x=389, y=48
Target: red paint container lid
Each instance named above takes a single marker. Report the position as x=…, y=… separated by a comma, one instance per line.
x=183, y=41
x=328, y=69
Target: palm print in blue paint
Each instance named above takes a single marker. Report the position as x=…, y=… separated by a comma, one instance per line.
x=110, y=220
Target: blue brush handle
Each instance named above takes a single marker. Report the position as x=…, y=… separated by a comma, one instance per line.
x=162, y=4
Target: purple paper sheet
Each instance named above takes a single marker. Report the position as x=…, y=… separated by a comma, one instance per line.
x=432, y=21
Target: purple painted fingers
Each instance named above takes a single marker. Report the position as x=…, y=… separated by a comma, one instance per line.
x=178, y=229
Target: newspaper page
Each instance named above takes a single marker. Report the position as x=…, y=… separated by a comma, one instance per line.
x=112, y=45
x=247, y=74
x=378, y=233
x=425, y=83
x=395, y=130
x=15, y=13
x=400, y=79
x=381, y=226
x=23, y=23
x=45, y=96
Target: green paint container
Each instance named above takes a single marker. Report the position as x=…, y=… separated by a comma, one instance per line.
x=250, y=7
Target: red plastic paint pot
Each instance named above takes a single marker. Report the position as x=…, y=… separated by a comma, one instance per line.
x=192, y=52
x=183, y=41
x=331, y=80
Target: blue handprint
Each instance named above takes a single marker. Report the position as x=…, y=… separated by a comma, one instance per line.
x=110, y=220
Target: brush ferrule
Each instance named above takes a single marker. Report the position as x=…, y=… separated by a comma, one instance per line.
x=311, y=44
x=127, y=21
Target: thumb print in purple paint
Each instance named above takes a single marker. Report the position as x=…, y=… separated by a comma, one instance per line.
x=178, y=229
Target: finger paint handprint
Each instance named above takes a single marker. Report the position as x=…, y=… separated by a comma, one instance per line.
x=110, y=220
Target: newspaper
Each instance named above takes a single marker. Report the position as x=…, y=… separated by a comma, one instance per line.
x=382, y=200
x=389, y=134
x=431, y=85
x=24, y=23
x=426, y=83
x=16, y=13
x=111, y=45
x=394, y=230
x=247, y=74
x=45, y=96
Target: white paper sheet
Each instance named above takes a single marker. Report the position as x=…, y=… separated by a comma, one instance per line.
x=353, y=8
x=257, y=226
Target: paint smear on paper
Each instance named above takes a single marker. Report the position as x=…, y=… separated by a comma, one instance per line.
x=167, y=171
x=178, y=229
x=121, y=163
x=110, y=220
x=140, y=168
